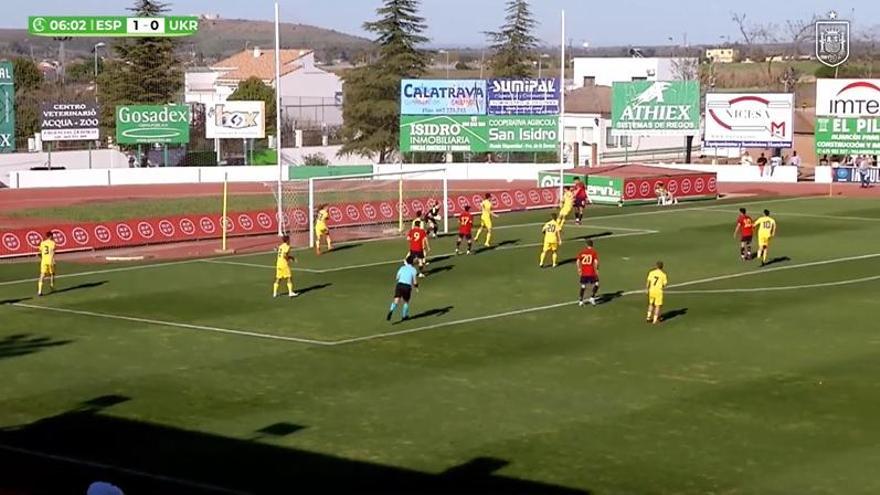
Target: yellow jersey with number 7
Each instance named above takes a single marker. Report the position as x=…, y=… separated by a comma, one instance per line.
x=656, y=283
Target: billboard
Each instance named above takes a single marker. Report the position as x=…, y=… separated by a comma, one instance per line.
x=443, y=97
x=852, y=174
x=69, y=122
x=148, y=124
x=648, y=108
x=523, y=97
x=447, y=133
x=236, y=120
x=848, y=97
x=847, y=136
x=7, y=108
x=749, y=120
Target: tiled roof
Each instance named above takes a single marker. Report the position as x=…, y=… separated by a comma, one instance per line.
x=589, y=99
x=245, y=65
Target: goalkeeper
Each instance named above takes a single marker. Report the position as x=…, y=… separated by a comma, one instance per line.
x=432, y=219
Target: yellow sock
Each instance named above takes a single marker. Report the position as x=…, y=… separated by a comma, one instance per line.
x=488, y=237
x=543, y=255
x=555, y=258
x=275, y=289
x=289, y=287
x=656, y=316
x=650, y=313
x=40, y=287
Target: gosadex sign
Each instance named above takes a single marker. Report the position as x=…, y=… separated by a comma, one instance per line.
x=147, y=124
x=523, y=96
x=749, y=120
x=69, y=122
x=848, y=97
x=443, y=97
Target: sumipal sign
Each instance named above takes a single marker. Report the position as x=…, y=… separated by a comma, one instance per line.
x=112, y=26
x=7, y=108
x=443, y=97
x=69, y=122
x=523, y=97
x=479, y=133
x=847, y=116
x=147, y=124
x=236, y=120
x=646, y=108
x=756, y=120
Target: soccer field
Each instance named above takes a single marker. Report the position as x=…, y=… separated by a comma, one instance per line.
x=186, y=377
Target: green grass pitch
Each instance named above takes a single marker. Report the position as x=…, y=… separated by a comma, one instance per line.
x=762, y=381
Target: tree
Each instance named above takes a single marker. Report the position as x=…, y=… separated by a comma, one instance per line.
x=254, y=89
x=371, y=106
x=146, y=70
x=514, y=44
x=28, y=82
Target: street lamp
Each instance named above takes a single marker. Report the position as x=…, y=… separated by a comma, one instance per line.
x=541, y=63
x=95, y=49
x=447, y=61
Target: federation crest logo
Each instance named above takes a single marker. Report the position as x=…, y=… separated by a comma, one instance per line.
x=832, y=40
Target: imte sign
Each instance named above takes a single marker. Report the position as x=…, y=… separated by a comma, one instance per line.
x=146, y=124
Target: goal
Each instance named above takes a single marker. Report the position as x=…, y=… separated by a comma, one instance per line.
x=363, y=206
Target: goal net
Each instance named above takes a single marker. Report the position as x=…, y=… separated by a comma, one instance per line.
x=362, y=206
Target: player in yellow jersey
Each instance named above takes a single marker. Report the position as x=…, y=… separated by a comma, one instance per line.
x=551, y=241
x=655, y=284
x=282, y=268
x=766, y=232
x=47, y=263
x=566, y=206
x=321, y=230
x=486, y=217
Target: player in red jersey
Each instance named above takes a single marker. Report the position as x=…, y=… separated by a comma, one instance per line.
x=465, y=230
x=418, y=245
x=745, y=227
x=588, y=269
x=580, y=199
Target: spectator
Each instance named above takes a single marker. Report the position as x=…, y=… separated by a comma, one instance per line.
x=864, y=173
x=746, y=158
x=795, y=160
x=131, y=160
x=775, y=161
x=762, y=162
x=824, y=161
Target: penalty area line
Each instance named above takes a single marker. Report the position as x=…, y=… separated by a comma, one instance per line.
x=171, y=324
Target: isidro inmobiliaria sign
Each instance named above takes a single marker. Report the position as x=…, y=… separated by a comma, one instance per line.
x=148, y=124
x=646, y=108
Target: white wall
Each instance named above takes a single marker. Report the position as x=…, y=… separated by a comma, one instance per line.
x=129, y=176
x=475, y=171
x=312, y=94
x=823, y=174
x=71, y=160
x=740, y=173
x=617, y=69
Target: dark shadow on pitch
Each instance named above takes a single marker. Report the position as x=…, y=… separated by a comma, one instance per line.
x=88, y=443
x=439, y=269
x=675, y=313
x=12, y=302
x=777, y=260
x=432, y=312
x=313, y=288
x=438, y=259
x=24, y=344
x=501, y=244
x=345, y=247
x=89, y=285
x=567, y=261
x=594, y=236
x=609, y=297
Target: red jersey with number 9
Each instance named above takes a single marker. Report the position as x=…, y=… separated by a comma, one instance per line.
x=746, y=225
x=465, y=223
x=588, y=259
x=416, y=239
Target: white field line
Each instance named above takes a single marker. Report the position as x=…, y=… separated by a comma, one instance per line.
x=182, y=262
x=635, y=232
x=110, y=467
x=571, y=303
x=172, y=324
x=778, y=288
x=805, y=215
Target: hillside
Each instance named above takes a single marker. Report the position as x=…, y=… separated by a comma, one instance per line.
x=216, y=39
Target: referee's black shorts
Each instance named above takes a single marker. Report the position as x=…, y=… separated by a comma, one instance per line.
x=403, y=291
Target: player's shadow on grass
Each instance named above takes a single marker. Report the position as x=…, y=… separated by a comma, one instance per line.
x=439, y=269
x=14, y=301
x=432, y=312
x=89, y=285
x=438, y=259
x=24, y=344
x=345, y=247
x=777, y=260
x=675, y=313
x=313, y=288
x=87, y=443
x=609, y=297
x=594, y=236
x=509, y=242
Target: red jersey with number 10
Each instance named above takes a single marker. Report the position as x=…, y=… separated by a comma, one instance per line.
x=588, y=259
x=465, y=223
x=416, y=238
x=746, y=225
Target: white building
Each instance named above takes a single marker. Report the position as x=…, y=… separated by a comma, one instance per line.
x=587, y=122
x=599, y=71
x=310, y=96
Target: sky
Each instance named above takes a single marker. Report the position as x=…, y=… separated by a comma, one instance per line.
x=462, y=22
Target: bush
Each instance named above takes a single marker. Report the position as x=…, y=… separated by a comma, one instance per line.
x=315, y=160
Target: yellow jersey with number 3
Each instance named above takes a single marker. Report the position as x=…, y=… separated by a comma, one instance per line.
x=47, y=252
x=282, y=264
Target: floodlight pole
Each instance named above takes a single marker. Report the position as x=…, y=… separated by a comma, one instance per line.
x=278, y=117
x=562, y=109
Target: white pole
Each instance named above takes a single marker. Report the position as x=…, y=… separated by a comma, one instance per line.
x=445, y=203
x=312, y=212
x=562, y=110
x=278, y=116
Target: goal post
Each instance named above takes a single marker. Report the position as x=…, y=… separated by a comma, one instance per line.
x=363, y=206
